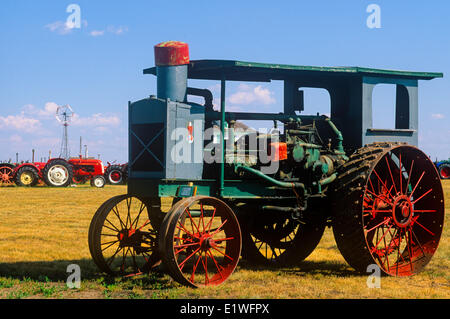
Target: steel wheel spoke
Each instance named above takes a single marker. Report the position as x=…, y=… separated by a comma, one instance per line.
x=400, y=171
x=136, y=220
x=181, y=265
x=416, y=222
x=390, y=173
x=423, y=195
x=381, y=181
x=410, y=195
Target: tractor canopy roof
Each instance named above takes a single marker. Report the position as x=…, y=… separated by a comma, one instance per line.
x=264, y=72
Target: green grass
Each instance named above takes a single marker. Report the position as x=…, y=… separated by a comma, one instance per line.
x=43, y=230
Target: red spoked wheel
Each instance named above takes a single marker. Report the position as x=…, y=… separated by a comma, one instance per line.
x=123, y=235
x=200, y=241
x=6, y=175
x=392, y=209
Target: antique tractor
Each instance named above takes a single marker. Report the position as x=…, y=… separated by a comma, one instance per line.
x=201, y=194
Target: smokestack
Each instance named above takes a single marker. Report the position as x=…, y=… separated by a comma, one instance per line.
x=172, y=60
x=32, y=155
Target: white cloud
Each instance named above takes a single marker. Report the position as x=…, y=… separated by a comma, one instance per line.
x=98, y=119
x=63, y=28
x=47, y=112
x=19, y=122
x=49, y=109
x=97, y=33
x=248, y=94
x=60, y=27
x=117, y=30
x=437, y=116
x=110, y=29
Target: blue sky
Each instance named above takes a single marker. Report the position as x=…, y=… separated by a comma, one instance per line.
x=97, y=69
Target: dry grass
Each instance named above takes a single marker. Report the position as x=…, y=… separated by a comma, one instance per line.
x=43, y=230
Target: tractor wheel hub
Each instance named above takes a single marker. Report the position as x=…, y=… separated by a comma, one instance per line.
x=206, y=242
x=58, y=174
x=129, y=237
x=402, y=211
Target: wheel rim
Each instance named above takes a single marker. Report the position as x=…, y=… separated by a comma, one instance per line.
x=403, y=211
x=203, y=242
x=445, y=172
x=98, y=182
x=26, y=178
x=58, y=175
x=124, y=237
x=115, y=177
x=6, y=175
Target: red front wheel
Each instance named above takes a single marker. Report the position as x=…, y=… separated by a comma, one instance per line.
x=6, y=175
x=200, y=241
x=123, y=235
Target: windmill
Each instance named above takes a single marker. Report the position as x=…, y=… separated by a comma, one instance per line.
x=64, y=115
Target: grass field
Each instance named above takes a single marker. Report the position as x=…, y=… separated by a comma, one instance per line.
x=43, y=230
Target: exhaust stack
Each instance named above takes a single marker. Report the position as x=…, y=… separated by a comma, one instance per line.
x=171, y=60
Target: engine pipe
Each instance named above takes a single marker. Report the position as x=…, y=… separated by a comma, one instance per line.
x=205, y=93
x=270, y=179
x=340, y=147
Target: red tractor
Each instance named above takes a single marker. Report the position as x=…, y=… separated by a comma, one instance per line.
x=88, y=169
x=58, y=172
x=28, y=174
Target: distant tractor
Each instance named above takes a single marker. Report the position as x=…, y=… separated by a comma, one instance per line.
x=29, y=174
x=116, y=174
x=443, y=168
x=268, y=196
x=58, y=172
x=88, y=169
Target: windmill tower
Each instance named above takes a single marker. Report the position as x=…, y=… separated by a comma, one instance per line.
x=64, y=115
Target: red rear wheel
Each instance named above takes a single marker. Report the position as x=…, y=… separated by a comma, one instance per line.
x=200, y=241
x=392, y=210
